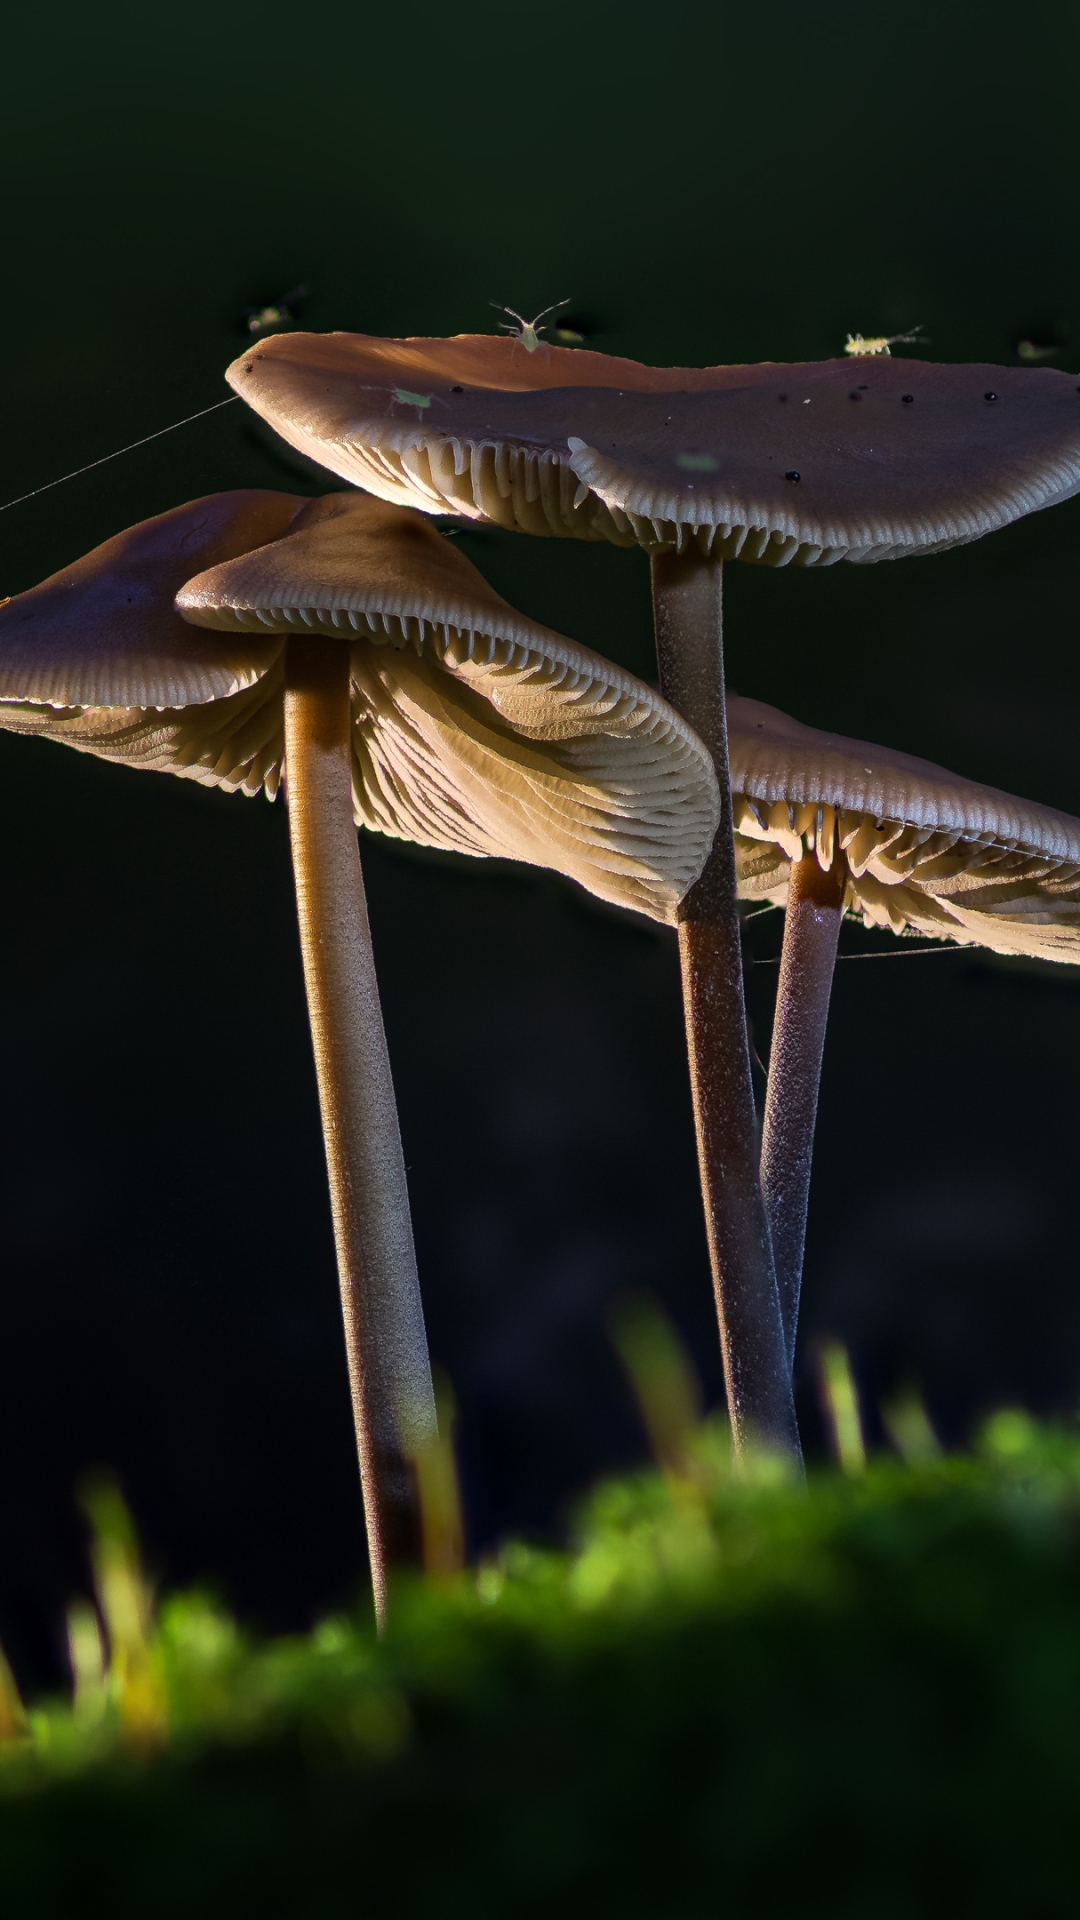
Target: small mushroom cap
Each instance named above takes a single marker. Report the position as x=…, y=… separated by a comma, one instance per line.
x=104, y=632
x=926, y=850
x=805, y=464
x=475, y=729
x=347, y=553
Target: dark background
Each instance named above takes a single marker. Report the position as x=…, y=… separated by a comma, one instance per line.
x=709, y=184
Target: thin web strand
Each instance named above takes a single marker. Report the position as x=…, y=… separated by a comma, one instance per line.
x=886, y=953
x=902, y=953
x=106, y=457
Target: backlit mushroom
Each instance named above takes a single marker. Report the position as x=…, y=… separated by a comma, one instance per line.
x=826, y=826
x=808, y=463
x=805, y=464
x=98, y=656
x=366, y=657
x=475, y=729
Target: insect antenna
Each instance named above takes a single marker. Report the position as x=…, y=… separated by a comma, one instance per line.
x=554, y=307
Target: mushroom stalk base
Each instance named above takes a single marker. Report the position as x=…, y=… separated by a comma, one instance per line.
x=389, y=1371
x=815, y=905
x=689, y=650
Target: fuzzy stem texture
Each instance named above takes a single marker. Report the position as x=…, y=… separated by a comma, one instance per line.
x=811, y=930
x=389, y=1372
x=689, y=651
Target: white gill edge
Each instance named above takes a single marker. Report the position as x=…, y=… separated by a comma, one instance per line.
x=864, y=541
x=517, y=653
x=773, y=816
x=92, y=689
x=672, y=521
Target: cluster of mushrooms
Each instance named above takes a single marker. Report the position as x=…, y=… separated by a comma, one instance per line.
x=343, y=649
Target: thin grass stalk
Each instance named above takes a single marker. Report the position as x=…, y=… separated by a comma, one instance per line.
x=389, y=1371
x=811, y=931
x=689, y=648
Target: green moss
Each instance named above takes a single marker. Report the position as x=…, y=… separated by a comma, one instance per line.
x=861, y=1699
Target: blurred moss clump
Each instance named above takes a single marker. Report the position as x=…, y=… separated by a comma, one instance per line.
x=733, y=1697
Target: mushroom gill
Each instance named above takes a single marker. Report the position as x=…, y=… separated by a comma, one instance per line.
x=923, y=851
x=803, y=464
x=475, y=729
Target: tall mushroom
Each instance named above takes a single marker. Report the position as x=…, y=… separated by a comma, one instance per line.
x=805, y=464
x=362, y=654
x=826, y=826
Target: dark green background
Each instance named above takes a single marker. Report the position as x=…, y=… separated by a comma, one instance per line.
x=708, y=184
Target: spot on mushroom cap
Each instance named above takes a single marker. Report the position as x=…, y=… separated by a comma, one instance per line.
x=103, y=632
x=879, y=481
x=568, y=442
x=926, y=849
x=476, y=729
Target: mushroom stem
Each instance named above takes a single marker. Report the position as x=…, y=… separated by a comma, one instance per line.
x=815, y=905
x=689, y=650
x=389, y=1372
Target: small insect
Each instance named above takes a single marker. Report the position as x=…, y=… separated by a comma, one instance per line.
x=277, y=317
x=527, y=331
x=405, y=397
x=880, y=343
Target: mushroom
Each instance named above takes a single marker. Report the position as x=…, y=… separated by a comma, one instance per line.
x=475, y=729
x=362, y=654
x=808, y=464
x=98, y=656
x=103, y=632
x=826, y=826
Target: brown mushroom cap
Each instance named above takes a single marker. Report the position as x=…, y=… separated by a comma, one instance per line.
x=103, y=632
x=475, y=729
x=808, y=463
x=926, y=851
